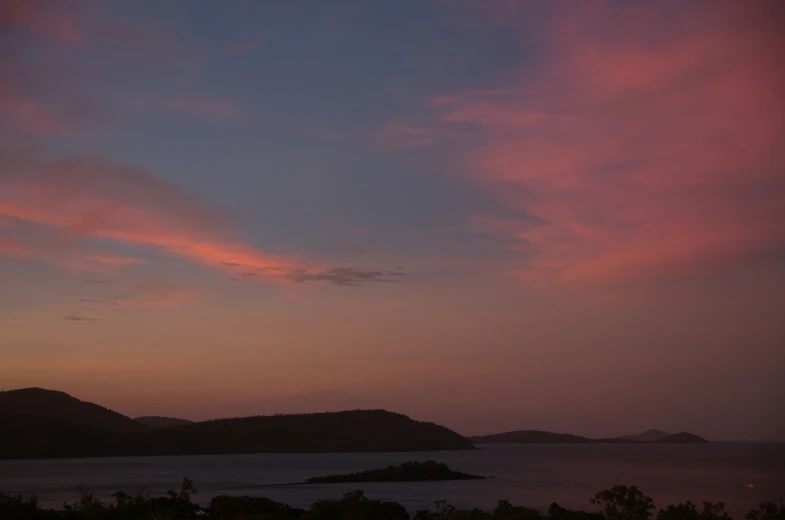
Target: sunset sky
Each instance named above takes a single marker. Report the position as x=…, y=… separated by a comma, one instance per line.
x=494, y=215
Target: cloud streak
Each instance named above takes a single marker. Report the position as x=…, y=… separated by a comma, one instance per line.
x=645, y=145
x=346, y=276
x=75, y=317
x=84, y=198
x=97, y=301
x=50, y=19
x=82, y=205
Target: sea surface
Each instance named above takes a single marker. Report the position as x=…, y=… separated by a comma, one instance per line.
x=527, y=474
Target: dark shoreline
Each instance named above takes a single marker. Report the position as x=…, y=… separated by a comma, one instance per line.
x=617, y=502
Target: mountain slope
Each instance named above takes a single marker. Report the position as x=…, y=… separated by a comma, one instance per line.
x=347, y=431
x=155, y=421
x=684, y=438
x=652, y=435
x=51, y=404
x=32, y=437
x=36, y=423
x=540, y=437
x=530, y=436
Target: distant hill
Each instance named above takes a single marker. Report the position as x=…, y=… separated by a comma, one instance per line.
x=31, y=437
x=154, y=421
x=66, y=427
x=541, y=437
x=647, y=436
x=685, y=438
x=529, y=437
x=347, y=431
x=51, y=404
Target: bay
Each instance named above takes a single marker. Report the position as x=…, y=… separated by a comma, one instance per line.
x=533, y=475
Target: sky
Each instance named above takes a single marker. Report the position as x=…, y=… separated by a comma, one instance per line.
x=565, y=215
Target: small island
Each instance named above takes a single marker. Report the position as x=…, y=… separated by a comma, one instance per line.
x=406, y=472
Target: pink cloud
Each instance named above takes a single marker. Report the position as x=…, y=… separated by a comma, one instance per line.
x=50, y=19
x=115, y=260
x=76, y=205
x=645, y=145
x=82, y=23
x=23, y=114
x=44, y=99
x=73, y=212
x=28, y=115
x=10, y=246
x=88, y=198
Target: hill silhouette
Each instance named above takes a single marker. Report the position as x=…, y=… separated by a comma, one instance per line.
x=59, y=405
x=31, y=437
x=684, y=438
x=652, y=435
x=541, y=437
x=56, y=433
x=155, y=421
x=530, y=436
x=347, y=431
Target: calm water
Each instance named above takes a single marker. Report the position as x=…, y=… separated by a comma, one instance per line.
x=531, y=475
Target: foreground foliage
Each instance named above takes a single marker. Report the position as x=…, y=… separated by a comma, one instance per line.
x=617, y=503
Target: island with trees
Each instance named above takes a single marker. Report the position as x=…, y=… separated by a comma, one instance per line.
x=407, y=472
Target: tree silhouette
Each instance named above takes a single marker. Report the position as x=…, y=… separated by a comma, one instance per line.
x=624, y=503
x=688, y=511
x=767, y=511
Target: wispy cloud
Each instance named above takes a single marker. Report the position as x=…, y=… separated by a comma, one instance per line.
x=341, y=276
x=116, y=260
x=98, y=302
x=67, y=118
x=84, y=200
x=75, y=317
x=10, y=246
x=643, y=145
x=56, y=93
x=85, y=23
x=50, y=19
x=89, y=198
